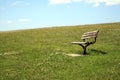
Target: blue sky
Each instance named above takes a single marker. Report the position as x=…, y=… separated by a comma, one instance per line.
x=28, y=14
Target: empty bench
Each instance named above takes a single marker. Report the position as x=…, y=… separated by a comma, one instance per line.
x=88, y=38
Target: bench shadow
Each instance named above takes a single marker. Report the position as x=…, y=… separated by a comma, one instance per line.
x=98, y=51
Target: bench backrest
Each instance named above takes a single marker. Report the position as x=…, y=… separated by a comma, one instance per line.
x=91, y=34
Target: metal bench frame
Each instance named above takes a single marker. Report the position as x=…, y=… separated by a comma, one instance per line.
x=88, y=38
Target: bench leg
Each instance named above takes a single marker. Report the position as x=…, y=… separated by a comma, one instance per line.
x=84, y=48
x=84, y=51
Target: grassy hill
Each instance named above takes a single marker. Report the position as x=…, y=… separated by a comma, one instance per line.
x=39, y=54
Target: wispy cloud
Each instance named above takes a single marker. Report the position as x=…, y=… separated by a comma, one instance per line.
x=68, y=6
x=59, y=1
x=16, y=3
x=2, y=8
x=107, y=2
x=24, y=20
x=63, y=1
x=95, y=2
x=9, y=21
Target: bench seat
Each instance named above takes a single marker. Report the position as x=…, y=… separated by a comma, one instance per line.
x=78, y=43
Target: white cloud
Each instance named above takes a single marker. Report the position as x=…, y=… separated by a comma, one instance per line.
x=77, y=0
x=95, y=2
x=9, y=21
x=96, y=5
x=113, y=2
x=107, y=2
x=68, y=6
x=24, y=20
x=19, y=3
x=2, y=8
x=62, y=1
x=16, y=3
x=59, y=1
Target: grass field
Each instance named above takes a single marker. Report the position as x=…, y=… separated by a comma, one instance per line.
x=39, y=54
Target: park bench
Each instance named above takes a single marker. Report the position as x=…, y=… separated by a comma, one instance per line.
x=88, y=38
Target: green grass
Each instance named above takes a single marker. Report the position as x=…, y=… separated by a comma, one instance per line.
x=38, y=54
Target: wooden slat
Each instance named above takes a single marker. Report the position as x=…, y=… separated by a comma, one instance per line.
x=91, y=34
x=78, y=42
x=87, y=37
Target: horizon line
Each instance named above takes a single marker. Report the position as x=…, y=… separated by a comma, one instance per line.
x=59, y=26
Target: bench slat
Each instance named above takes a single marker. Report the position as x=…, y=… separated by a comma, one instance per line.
x=88, y=37
x=92, y=34
x=78, y=42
